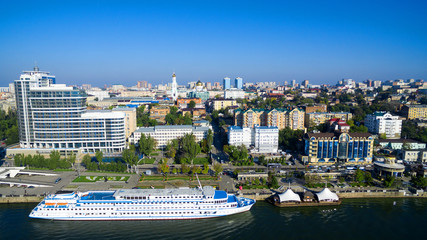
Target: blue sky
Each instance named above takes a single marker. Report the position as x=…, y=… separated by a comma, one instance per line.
x=109, y=42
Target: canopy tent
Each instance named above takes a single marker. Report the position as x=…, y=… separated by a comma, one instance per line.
x=327, y=195
x=289, y=196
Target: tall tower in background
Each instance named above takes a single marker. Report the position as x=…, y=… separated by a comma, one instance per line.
x=174, y=88
x=227, y=83
x=238, y=83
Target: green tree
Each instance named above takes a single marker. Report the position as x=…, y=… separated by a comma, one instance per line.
x=129, y=156
x=71, y=159
x=195, y=170
x=288, y=138
x=164, y=168
x=217, y=168
x=389, y=181
x=190, y=148
x=192, y=104
x=209, y=140
x=99, y=155
x=419, y=182
x=359, y=176
x=172, y=148
x=205, y=169
x=239, y=155
x=146, y=144
x=185, y=168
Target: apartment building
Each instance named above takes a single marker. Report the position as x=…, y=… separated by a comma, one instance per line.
x=384, y=123
x=263, y=139
x=164, y=134
x=315, y=118
x=280, y=118
x=415, y=111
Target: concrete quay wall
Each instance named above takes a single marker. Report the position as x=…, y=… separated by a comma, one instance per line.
x=21, y=199
x=348, y=194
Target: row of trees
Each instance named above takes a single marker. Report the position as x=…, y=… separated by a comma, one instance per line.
x=238, y=155
x=143, y=118
x=412, y=131
x=289, y=139
x=186, y=149
x=165, y=169
x=102, y=166
x=175, y=118
x=53, y=162
x=9, y=127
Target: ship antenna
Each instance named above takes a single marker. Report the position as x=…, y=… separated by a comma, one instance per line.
x=200, y=185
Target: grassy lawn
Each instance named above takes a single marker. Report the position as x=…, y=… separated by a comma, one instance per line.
x=172, y=177
x=317, y=185
x=201, y=161
x=147, y=161
x=100, y=178
x=149, y=187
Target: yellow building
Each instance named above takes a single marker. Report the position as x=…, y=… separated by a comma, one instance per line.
x=415, y=111
x=280, y=118
x=315, y=118
x=159, y=112
x=218, y=104
x=130, y=119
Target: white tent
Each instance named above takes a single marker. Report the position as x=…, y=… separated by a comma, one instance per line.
x=289, y=196
x=327, y=195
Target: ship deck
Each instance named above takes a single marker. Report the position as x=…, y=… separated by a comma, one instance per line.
x=99, y=196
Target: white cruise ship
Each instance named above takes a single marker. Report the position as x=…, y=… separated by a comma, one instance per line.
x=141, y=204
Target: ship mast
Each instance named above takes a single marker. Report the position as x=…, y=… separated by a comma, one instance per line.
x=200, y=185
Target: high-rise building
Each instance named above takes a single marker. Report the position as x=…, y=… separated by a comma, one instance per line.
x=217, y=85
x=54, y=117
x=209, y=86
x=305, y=83
x=142, y=84
x=227, y=83
x=384, y=123
x=174, y=88
x=294, y=83
x=238, y=83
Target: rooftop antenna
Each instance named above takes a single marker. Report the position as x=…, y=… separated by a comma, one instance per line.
x=200, y=185
x=36, y=68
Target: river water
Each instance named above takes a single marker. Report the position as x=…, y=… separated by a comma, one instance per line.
x=354, y=219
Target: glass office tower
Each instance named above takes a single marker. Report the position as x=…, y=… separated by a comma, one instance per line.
x=54, y=116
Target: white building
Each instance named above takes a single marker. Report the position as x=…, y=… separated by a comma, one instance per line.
x=99, y=94
x=266, y=139
x=263, y=139
x=384, y=123
x=164, y=134
x=54, y=117
x=234, y=93
x=238, y=136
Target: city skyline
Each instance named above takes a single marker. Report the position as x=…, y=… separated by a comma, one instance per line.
x=115, y=43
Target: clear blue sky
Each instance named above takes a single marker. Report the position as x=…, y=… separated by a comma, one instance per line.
x=107, y=42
